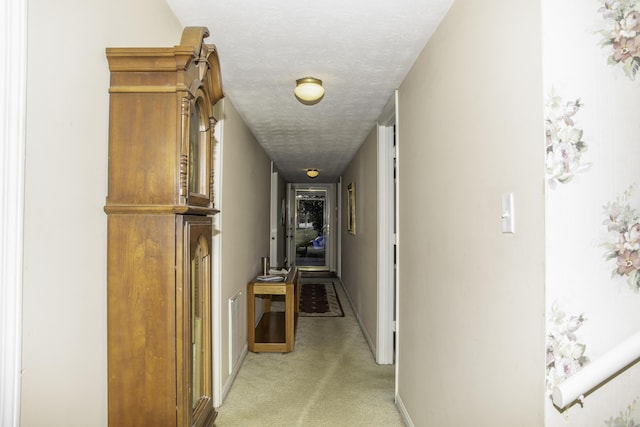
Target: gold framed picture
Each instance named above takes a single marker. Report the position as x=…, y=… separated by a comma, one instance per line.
x=351, y=208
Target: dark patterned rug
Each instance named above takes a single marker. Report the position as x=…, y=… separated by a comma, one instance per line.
x=319, y=300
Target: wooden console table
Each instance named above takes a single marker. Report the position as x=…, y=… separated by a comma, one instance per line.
x=275, y=332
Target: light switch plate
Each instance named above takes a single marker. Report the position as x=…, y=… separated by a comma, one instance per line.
x=508, y=218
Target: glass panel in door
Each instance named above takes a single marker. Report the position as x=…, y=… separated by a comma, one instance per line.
x=311, y=229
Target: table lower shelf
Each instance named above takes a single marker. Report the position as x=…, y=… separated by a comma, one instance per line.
x=270, y=335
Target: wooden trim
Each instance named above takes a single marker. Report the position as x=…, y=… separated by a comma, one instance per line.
x=146, y=89
x=158, y=209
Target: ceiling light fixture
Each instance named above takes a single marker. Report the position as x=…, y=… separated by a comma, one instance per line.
x=309, y=90
x=312, y=173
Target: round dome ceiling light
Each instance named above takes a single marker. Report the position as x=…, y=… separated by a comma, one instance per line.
x=309, y=90
x=312, y=173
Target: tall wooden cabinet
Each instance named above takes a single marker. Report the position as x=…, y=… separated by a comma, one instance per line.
x=159, y=206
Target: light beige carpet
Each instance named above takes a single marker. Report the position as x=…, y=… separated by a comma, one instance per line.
x=330, y=379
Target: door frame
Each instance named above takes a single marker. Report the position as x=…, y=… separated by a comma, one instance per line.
x=278, y=252
x=387, y=292
x=216, y=259
x=13, y=96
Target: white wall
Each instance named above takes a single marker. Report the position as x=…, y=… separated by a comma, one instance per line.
x=64, y=381
x=581, y=280
x=471, y=299
x=244, y=218
x=359, y=252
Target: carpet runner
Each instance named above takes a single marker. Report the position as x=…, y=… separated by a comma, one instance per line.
x=319, y=300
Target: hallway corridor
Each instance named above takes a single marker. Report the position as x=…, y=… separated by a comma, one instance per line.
x=330, y=379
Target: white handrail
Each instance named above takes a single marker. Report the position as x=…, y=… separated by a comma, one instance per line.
x=597, y=372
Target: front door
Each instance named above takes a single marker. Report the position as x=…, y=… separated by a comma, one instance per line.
x=311, y=228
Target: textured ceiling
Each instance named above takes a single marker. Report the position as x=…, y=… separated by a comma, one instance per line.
x=360, y=49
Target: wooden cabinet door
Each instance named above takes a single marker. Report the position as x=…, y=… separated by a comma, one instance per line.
x=193, y=314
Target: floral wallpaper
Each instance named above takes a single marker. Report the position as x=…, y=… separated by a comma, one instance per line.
x=621, y=35
x=565, y=354
x=564, y=143
x=626, y=418
x=623, y=244
x=591, y=62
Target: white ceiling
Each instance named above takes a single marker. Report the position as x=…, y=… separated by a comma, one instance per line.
x=360, y=49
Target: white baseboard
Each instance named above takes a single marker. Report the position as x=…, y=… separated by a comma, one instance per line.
x=371, y=343
x=227, y=385
x=403, y=412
